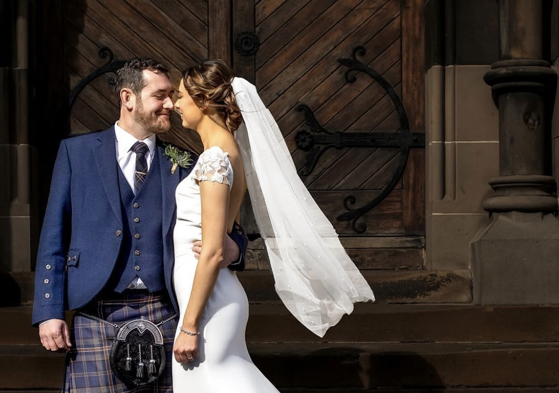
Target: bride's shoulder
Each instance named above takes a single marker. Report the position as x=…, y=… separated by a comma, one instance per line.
x=214, y=165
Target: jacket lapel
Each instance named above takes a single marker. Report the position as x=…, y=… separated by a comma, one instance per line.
x=106, y=163
x=169, y=183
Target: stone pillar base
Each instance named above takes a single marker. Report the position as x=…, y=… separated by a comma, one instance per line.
x=515, y=260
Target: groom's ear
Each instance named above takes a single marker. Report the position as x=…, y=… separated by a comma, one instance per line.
x=127, y=98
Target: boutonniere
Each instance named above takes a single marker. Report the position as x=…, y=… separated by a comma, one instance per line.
x=178, y=157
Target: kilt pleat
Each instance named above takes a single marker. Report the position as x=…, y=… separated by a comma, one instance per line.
x=88, y=368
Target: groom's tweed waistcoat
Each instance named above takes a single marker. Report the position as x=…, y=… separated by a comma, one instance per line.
x=142, y=247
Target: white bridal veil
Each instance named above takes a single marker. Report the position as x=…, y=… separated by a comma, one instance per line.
x=314, y=276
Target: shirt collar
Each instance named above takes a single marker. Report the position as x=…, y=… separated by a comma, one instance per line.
x=125, y=141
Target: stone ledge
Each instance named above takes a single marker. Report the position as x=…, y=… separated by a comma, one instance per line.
x=400, y=286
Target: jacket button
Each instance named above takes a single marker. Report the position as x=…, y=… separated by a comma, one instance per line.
x=48, y=267
x=137, y=236
x=137, y=268
x=137, y=252
x=136, y=219
x=47, y=295
x=118, y=232
x=46, y=281
x=136, y=205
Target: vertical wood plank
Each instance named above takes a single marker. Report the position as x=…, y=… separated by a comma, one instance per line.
x=244, y=66
x=219, y=30
x=243, y=21
x=413, y=93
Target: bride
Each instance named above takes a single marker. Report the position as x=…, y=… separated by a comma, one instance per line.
x=313, y=275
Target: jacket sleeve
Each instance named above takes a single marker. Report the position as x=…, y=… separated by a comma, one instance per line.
x=50, y=271
x=238, y=235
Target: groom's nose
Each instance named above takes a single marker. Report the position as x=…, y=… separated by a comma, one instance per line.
x=168, y=103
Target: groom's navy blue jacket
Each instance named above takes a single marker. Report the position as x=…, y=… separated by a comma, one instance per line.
x=87, y=232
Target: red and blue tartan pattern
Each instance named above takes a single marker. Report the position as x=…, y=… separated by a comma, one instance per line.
x=88, y=368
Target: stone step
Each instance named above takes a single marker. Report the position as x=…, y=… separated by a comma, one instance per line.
x=304, y=368
x=16, y=326
x=30, y=367
x=396, y=286
x=426, y=390
x=403, y=390
x=272, y=322
x=31, y=391
x=16, y=289
x=417, y=366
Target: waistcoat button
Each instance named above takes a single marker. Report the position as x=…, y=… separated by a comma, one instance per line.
x=136, y=219
x=137, y=236
x=137, y=268
x=137, y=252
x=136, y=205
x=118, y=232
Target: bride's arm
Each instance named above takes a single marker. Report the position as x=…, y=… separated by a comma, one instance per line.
x=215, y=201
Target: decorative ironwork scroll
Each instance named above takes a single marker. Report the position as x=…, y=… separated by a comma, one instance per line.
x=109, y=66
x=318, y=140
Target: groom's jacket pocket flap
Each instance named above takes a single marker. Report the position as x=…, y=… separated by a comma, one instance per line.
x=73, y=257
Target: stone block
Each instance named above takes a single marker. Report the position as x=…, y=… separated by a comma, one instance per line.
x=448, y=239
x=15, y=244
x=514, y=260
x=476, y=116
x=475, y=164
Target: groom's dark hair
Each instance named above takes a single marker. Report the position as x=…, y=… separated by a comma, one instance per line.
x=130, y=75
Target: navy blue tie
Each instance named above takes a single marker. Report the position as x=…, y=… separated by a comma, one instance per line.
x=141, y=149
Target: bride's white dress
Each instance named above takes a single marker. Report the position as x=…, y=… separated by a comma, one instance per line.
x=224, y=365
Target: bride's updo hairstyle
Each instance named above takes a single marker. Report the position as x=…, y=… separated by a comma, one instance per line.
x=209, y=85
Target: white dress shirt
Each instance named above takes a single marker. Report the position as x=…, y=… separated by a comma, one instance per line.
x=127, y=161
x=127, y=158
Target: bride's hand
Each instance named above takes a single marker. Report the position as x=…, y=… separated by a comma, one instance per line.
x=232, y=252
x=185, y=348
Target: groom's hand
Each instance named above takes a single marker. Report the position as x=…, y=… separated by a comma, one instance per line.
x=55, y=335
x=231, y=252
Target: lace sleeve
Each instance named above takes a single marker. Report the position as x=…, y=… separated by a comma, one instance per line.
x=214, y=165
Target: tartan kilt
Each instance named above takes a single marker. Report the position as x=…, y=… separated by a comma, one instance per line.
x=88, y=368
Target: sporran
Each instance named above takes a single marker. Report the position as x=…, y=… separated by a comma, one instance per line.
x=137, y=354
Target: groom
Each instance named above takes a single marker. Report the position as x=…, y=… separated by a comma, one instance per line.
x=106, y=246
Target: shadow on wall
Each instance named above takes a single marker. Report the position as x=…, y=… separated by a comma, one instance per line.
x=10, y=291
x=51, y=84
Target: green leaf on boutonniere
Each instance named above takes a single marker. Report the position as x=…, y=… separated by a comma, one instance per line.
x=178, y=157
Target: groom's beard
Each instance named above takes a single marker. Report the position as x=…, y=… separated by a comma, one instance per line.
x=152, y=121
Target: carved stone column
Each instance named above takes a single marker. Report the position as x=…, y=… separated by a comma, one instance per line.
x=515, y=259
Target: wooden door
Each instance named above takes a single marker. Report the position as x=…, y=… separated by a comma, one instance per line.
x=294, y=51
x=180, y=33
x=298, y=52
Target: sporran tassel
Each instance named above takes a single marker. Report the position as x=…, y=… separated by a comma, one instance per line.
x=140, y=369
x=128, y=366
x=151, y=366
